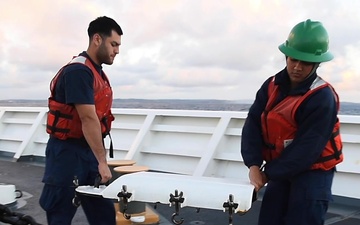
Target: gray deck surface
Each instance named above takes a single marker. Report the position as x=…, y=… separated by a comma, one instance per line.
x=27, y=176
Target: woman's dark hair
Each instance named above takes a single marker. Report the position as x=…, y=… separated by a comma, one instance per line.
x=103, y=25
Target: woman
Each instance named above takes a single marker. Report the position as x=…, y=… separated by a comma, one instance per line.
x=293, y=127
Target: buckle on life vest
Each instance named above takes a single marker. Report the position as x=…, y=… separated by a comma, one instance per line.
x=57, y=115
x=107, y=132
x=270, y=146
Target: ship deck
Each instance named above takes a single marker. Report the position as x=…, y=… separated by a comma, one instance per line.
x=26, y=176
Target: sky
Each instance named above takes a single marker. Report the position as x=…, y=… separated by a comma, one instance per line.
x=174, y=49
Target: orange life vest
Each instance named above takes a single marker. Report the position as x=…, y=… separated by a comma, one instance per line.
x=279, y=126
x=63, y=121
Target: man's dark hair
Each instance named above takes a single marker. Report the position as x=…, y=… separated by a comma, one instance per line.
x=103, y=25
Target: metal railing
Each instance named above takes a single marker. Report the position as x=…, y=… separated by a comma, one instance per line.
x=197, y=143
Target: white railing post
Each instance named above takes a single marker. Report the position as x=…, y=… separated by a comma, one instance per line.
x=140, y=136
x=210, y=150
x=30, y=134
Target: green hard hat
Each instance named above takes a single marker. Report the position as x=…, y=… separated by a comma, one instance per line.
x=308, y=41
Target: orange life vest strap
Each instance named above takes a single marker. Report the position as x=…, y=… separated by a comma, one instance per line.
x=337, y=152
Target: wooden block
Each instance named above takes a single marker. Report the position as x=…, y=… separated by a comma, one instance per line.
x=123, y=162
x=130, y=169
x=116, y=163
x=151, y=217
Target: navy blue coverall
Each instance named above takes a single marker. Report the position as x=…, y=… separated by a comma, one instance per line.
x=73, y=157
x=294, y=195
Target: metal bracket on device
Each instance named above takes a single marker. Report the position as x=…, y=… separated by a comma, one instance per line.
x=76, y=200
x=124, y=198
x=230, y=206
x=176, y=199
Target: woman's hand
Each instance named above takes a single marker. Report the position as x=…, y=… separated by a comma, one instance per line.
x=257, y=178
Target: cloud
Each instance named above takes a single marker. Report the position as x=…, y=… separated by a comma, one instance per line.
x=173, y=48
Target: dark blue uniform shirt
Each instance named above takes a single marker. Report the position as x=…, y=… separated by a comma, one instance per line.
x=315, y=117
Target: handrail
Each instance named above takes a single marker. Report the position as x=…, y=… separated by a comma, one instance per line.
x=191, y=142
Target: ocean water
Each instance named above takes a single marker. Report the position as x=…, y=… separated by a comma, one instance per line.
x=346, y=108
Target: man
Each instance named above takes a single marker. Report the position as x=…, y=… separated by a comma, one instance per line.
x=79, y=118
x=293, y=127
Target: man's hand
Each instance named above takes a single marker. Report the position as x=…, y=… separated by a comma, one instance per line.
x=257, y=178
x=105, y=172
